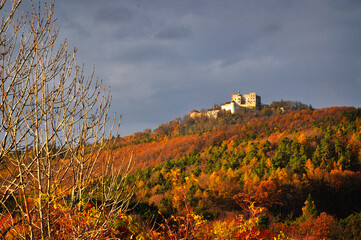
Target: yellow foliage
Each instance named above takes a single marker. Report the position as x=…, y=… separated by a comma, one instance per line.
x=198, y=194
x=309, y=167
x=302, y=139
x=224, y=229
x=230, y=174
x=269, y=163
x=140, y=184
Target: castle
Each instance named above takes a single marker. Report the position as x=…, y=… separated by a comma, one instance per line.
x=250, y=100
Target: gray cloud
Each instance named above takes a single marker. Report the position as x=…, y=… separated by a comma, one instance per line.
x=271, y=28
x=113, y=15
x=173, y=33
x=163, y=58
x=146, y=53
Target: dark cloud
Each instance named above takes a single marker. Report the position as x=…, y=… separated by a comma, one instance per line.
x=173, y=33
x=165, y=57
x=77, y=28
x=271, y=28
x=113, y=15
x=140, y=54
x=147, y=53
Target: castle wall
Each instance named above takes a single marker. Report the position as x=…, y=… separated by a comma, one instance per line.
x=210, y=114
x=232, y=106
x=250, y=100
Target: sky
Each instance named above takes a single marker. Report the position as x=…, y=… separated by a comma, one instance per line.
x=162, y=58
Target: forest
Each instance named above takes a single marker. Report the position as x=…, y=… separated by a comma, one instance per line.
x=286, y=171
x=257, y=174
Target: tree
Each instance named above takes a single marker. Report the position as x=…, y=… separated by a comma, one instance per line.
x=308, y=210
x=283, y=154
x=53, y=126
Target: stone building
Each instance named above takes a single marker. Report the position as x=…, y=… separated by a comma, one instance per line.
x=230, y=106
x=250, y=100
x=210, y=113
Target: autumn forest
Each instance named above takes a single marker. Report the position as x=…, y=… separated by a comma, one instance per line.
x=284, y=171
x=256, y=174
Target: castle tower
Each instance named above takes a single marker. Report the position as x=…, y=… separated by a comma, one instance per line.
x=250, y=100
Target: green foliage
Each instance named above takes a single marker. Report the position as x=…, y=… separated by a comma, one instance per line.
x=309, y=210
x=206, y=213
x=284, y=152
x=263, y=222
x=147, y=212
x=289, y=105
x=352, y=226
x=166, y=206
x=353, y=115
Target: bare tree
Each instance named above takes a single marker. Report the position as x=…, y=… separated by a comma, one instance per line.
x=53, y=122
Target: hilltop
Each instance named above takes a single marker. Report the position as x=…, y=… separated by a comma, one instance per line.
x=274, y=158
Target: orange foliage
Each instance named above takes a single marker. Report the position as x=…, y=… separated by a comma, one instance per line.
x=264, y=194
x=319, y=227
x=323, y=225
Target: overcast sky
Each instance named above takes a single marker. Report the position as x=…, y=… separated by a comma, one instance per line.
x=164, y=58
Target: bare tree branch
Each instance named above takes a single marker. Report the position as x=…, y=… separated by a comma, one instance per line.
x=53, y=126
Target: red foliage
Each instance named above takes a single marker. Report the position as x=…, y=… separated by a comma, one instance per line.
x=6, y=222
x=266, y=194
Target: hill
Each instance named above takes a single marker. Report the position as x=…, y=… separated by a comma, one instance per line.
x=271, y=159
